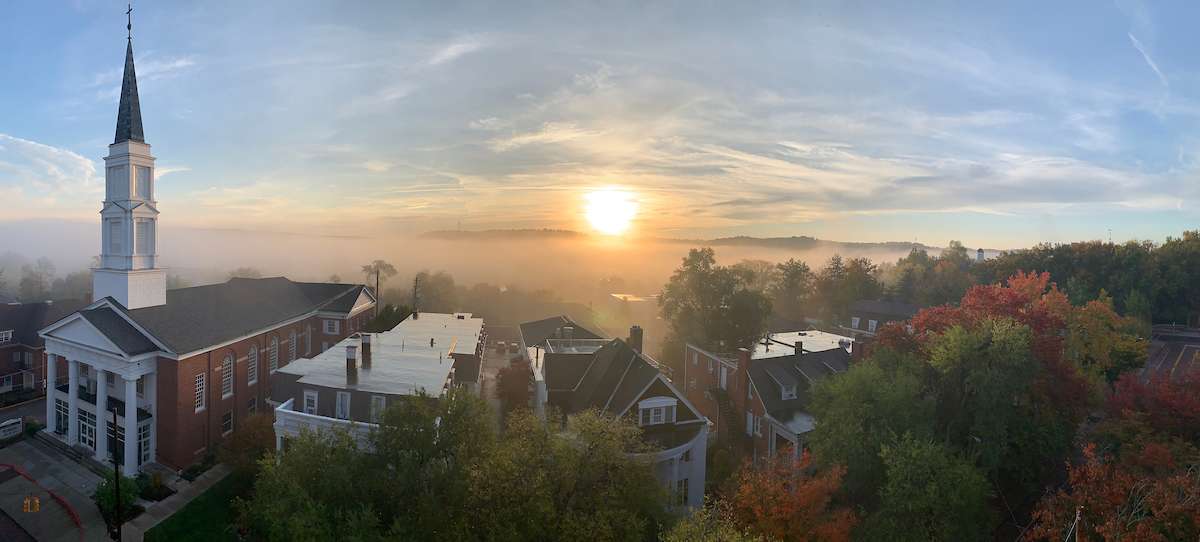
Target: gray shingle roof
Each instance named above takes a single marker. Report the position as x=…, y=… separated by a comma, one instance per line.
x=538, y=331
x=803, y=370
x=26, y=319
x=611, y=379
x=119, y=331
x=129, y=113
x=202, y=316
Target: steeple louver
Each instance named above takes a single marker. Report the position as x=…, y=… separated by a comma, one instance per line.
x=129, y=114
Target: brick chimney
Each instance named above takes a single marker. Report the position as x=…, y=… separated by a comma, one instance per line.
x=351, y=364
x=635, y=338
x=366, y=351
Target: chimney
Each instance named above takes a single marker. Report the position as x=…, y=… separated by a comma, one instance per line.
x=366, y=351
x=799, y=347
x=635, y=338
x=351, y=365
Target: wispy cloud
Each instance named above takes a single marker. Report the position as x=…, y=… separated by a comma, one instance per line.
x=456, y=49
x=1149, y=61
x=550, y=132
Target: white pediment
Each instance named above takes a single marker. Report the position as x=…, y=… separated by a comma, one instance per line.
x=364, y=300
x=78, y=330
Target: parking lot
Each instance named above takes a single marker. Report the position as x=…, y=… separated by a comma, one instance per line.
x=1173, y=353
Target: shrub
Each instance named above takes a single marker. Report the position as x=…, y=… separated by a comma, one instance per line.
x=248, y=444
x=106, y=498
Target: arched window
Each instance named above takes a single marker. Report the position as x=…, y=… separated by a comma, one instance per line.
x=273, y=355
x=252, y=365
x=227, y=376
x=292, y=346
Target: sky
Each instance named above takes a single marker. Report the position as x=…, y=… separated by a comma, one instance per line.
x=1001, y=124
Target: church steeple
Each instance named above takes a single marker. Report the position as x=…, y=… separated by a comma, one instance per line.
x=129, y=271
x=129, y=114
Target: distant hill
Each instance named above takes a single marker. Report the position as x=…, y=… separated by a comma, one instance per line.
x=781, y=243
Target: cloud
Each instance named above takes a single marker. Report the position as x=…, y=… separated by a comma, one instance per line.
x=163, y=171
x=456, y=49
x=377, y=166
x=41, y=180
x=550, y=132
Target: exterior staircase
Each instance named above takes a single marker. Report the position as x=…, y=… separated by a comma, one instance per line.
x=78, y=454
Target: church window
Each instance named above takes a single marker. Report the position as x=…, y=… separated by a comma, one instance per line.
x=252, y=366
x=142, y=182
x=114, y=236
x=227, y=376
x=273, y=355
x=201, y=386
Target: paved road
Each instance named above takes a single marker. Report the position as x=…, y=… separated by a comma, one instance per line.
x=36, y=409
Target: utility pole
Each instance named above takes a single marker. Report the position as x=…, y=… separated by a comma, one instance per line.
x=416, y=295
x=115, y=532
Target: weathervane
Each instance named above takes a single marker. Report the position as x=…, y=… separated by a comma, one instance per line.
x=129, y=22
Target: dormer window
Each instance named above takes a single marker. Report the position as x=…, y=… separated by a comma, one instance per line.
x=789, y=392
x=6, y=336
x=854, y=321
x=657, y=411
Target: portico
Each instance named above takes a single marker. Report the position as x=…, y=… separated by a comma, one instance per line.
x=99, y=381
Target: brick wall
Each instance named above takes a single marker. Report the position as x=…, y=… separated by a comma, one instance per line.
x=185, y=435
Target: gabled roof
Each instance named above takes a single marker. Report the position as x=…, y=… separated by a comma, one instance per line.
x=129, y=113
x=536, y=332
x=25, y=319
x=118, y=330
x=804, y=371
x=612, y=379
x=203, y=316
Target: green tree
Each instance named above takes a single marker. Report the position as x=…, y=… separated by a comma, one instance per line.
x=859, y=411
x=581, y=485
x=708, y=524
x=712, y=306
x=253, y=440
x=436, y=292
x=930, y=494
x=106, y=496
x=792, y=291
x=35, y=280
x=381, y=270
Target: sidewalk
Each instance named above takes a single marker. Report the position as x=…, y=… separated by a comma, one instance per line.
x=156, y=513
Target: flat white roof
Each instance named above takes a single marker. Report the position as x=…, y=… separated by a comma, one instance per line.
x=784, y=344
x=403, y=360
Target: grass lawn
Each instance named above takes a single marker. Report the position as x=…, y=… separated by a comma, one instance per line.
x=207, y=517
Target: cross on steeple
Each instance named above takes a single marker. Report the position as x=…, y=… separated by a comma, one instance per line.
x=129, y=22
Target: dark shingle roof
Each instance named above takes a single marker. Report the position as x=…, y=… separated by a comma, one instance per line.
x=119, y=331
x=26, y=319
x=129, y=113
x=611, y=379
x=538, y=331
x=899, y=309
x=202, y=316
x=803, y=370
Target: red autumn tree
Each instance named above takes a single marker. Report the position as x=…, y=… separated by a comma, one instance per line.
x=1117, y=503
x=1171, y=407
x=782, y=500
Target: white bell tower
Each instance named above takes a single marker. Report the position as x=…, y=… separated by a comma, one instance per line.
x=129, y=269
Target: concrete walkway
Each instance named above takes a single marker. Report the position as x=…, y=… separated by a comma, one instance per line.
x=51, y=472
x=156, y=513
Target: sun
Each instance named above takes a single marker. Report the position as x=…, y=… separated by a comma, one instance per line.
x=610, y=211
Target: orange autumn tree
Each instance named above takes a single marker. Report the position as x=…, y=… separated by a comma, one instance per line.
x=783, y=500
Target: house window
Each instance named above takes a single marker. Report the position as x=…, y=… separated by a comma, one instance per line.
x=61, y=415
x=227, y=376
x=201, y=384
x=681, y=492
x=710, y=365
x=342, y=410
x=140, y=386
x=378, y=405
x=292, y=347
x=227, y=423
x=854, y=321
x=273, y=355
x=789, y=392
x=871, y=325
x=144, y=443
x=252, y=366
x=692, y=383
x=695, y=358
x=657, y=410
x=310, y=402
x=6, y=336
x=331, y=327
x=308, y=341
x=749, y=423
x=252, y=405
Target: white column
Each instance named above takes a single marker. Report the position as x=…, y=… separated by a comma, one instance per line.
x=101, y=415
x=130, y=465
x=151, y=395
x=72, y=402
x=51, y=393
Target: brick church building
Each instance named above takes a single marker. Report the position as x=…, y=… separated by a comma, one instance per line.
x=180, y=368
